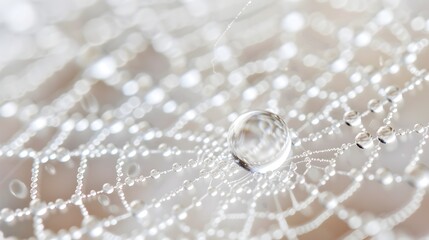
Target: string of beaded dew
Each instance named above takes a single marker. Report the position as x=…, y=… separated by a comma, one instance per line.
x=114, y=119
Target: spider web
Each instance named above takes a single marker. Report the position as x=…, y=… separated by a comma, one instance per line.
x=114, y=124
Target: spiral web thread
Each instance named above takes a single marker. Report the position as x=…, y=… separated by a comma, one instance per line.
x=115, y=123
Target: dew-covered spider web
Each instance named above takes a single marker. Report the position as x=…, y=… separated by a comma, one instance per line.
x=115, y=115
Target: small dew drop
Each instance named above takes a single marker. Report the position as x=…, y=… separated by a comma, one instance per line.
x=104, y=200
x=188, y=185
x=375, y=106
x=107, y=188
x=364, y=140
x=132, y=169
x=60, y=204
x=154, y=174
x=76, y=199
x=18, y=189
x=386, y=134
x=177, y=167
x=393, y=94
x=417, y=175
x=352, y=118
x=63, y=155
x=138, y=209
x=418, y=128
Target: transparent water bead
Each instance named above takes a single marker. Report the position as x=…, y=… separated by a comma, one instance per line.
x=419, y=128
x=386, y=134
x=352, y=118
x=259, y=141
x=393, y=94
x=375, y=105
x=364, y=140
x=138, y=209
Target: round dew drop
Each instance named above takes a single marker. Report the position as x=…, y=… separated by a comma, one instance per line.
x=259, y=141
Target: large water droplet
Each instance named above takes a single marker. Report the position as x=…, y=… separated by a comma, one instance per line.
x=386, y=134
x=18, y=189
x=259, y=141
